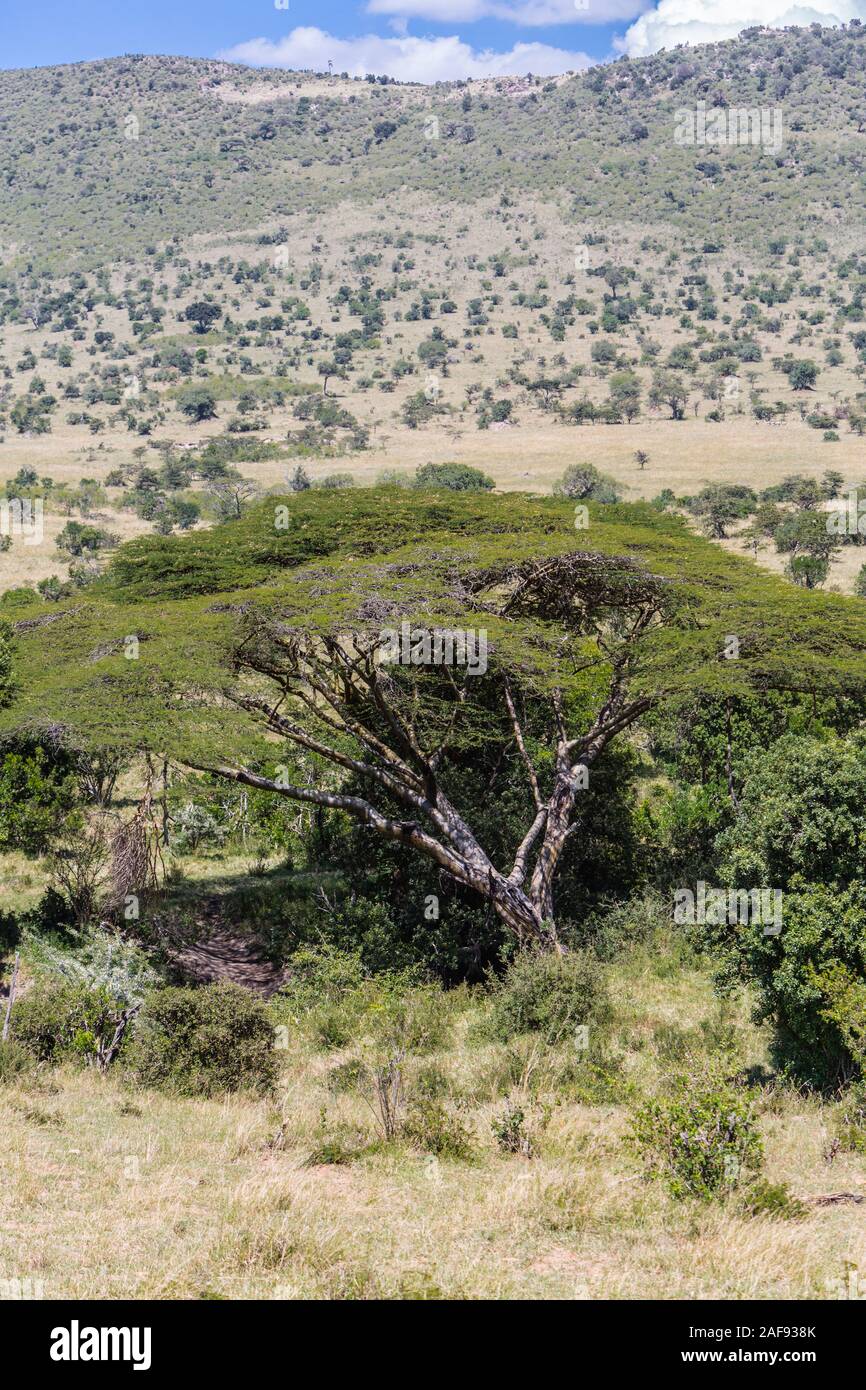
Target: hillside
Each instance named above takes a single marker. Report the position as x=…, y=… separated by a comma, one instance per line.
x=220, y=147
x=356, y=279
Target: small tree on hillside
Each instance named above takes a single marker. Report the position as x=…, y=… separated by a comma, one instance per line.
x=670, y=390
x=202, y=314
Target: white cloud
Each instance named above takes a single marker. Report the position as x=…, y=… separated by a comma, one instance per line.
x=709, y=21
x=529, y=13
x=405, y=57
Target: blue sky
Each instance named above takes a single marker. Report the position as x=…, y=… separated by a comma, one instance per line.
x=422, y=40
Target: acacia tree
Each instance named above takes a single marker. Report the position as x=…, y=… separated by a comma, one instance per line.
x=289, y=683
x=394, y=727
x=669, y=389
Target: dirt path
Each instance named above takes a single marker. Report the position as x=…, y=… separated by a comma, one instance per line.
x=224, y=954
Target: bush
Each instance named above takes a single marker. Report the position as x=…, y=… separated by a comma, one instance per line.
x=15, y=1061
x=204, y=1041
x=339, y=1001
x=772, y=1199
x=800, y=829
x=100, y=958
x=433, y=1129
x=805, y=977
x=510, y=1133
x=61, y=1020
x=584, y=482
x=36, y=794
x=550, y=994
x=698, y=1141
x=778, y=834
x=456, y=477
x=194, y=825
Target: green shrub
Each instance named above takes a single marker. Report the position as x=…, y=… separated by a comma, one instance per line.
x=698, y=1141
x=345, y=1076
x=204, y=1041
x=844, y=996
x=62, y=1020
x=550, y=994
x=772, y=1199
x=510, y=1133
x=431, y=1082
x=15, y=1061
x=37, y=793
x=808, y=977
x=456, y=477
x=333, y=995
x=434, y=1129
x=98, y=957
x=584, y=482
x=850, y=1134
x=596, y=1080
x=337, y=1151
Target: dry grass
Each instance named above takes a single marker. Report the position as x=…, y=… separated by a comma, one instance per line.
x=22, y=881
x=112, y=1192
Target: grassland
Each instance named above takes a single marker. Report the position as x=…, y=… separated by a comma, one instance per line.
x=110, y=1192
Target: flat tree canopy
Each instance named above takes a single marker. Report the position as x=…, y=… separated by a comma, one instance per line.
x=258, y=651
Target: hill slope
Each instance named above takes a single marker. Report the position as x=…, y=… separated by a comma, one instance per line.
x=101, y=157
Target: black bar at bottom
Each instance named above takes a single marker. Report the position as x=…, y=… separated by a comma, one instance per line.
x=87, y=1340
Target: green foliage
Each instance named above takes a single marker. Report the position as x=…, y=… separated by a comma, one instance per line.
x=584, y=482
x=434, y=1129
x=205, y=1041
x=16, y=1061
x=78, y=539
x=720, y=504
x=550, y=994
x=844, y=994
x=773, y=1200
x=37, y=795
x=332, y=994
x=801, y=828
x=802, y=812
x=823, y=932
x=510, y=1133
x=61, y=1020
x=455, y=477
x=700, y=1141
x=7, y=681
x=97, y=957
x=194, y=825
x=197, y=402
x=803, y=375
x=202, y=314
